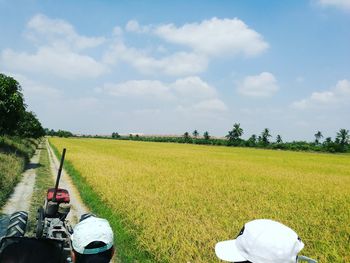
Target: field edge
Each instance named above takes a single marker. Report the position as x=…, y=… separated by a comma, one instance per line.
x=127, y=248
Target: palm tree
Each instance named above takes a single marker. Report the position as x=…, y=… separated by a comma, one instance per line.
x=279, y=139
x=195, y=133
x=318, y=136
x=206, y=135
x=235, y=133
x=343, y=137
x=265, y=136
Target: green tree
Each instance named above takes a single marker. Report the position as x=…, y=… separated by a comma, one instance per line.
x=206, y=135
x=328, y=140
x=186, y=135
x=12, y=105
x=331, y=146
x=279, y=139
x=343, y=137
x=252, y=141
x=318, y=135
x=235, y=133
x=115, y=135
x=265, y=135
x=63, y=133
x=29, y=126
x=259, y=139
x=195, y=133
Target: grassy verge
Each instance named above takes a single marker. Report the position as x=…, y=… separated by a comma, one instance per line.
x=14, y=154
x=127, y=248
x=10, y=169
x=43, y=181
x=21, y=147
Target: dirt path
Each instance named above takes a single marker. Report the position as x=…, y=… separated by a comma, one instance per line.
x=77, y=206
x=21, y=197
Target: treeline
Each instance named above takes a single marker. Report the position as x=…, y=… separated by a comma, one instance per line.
x=19, y=130
x=341, y=143
x=15, y=120
x=59, y=133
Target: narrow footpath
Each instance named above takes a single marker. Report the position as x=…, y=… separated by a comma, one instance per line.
x=77, y=206
x=22, y=195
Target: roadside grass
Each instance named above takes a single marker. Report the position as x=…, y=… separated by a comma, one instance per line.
x=21, y=147
x=11, y=168
x=177, y=201
x=14, y=155
x=43, y=181
x=127, y=249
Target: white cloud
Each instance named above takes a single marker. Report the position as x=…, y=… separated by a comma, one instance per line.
x=193, y=87
x=134, y=26
x=177, y=64
x=341, y=4
x=329, y=98
x=189, y=93
x=33, y=90
x=210, y=105
x=59, y=51
x=262, y=85
x=139, y=88
x=343, y=88
x=216, y=37
x=58, y=32
x=60, y=62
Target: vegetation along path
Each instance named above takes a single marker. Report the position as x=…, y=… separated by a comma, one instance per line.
x=20, y=198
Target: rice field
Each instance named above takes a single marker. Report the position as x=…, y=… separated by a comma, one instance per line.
x=179, y=200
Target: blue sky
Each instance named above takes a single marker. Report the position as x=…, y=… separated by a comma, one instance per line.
x=166, y=67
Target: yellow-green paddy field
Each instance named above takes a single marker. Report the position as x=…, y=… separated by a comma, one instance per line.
x=178, y=200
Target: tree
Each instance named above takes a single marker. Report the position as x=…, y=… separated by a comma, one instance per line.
x=29, y=126
x=253, y=138
x=12, y=105
x=235, y=133
x=186, y=135
x=63, y=133
x=115, y=135
x=195, y=133
x=279, y=139
x=259, y=139
x=252, y=141
x=328, y=140
x=331, y=146
x=318, y=136
x=265, y=136
x=206, y=135
x=343, y=137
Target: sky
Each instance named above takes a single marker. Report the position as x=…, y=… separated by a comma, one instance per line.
x=167, y=67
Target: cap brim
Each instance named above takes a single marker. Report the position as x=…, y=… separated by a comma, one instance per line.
x=228, y=251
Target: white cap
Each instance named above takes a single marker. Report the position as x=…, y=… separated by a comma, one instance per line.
x=90, y=230
x=262, y=241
